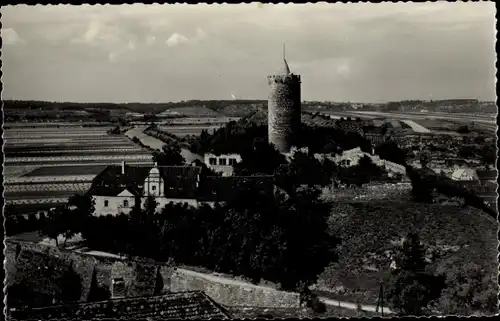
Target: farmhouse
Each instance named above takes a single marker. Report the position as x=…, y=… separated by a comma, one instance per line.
x=116, y=189
x=222, y=163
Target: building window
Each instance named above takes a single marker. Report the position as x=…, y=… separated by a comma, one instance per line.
x=212, y=161
x=125, y=203
x=222, y=161
x=232, y=161
x=153, y=188
x=106, y=203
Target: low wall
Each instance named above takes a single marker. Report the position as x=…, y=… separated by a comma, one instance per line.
x=375, y=191
x=232, y=292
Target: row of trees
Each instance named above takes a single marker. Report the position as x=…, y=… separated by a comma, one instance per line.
x=426, y=185
x=259, y=235
x=238, y=137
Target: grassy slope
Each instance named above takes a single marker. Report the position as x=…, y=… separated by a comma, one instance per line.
x=367, y=228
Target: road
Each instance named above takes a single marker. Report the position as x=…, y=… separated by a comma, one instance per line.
x=352, y=306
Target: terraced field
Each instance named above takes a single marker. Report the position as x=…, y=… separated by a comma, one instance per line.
x=44, y=165
x=186, y=130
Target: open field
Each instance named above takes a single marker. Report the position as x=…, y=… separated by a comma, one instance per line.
x=194, y=111
x=199, y=120
x=46, y=165
x=182, y=131
x=367, y=230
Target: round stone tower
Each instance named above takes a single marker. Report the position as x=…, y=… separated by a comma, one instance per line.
x=284, y=117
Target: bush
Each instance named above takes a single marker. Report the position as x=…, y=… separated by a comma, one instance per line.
x=463, y=129
x=312, y=301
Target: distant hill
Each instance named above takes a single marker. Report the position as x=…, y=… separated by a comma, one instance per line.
x=226, y=107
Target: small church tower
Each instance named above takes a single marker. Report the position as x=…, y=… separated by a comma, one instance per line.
x=284, y=115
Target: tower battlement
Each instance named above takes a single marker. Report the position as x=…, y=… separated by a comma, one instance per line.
x=282, y=79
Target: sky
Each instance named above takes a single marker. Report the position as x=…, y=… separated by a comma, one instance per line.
x=160, y=53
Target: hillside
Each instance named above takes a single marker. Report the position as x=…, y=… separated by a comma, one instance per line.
x=367, y=231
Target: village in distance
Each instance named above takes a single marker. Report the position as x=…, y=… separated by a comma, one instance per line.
x=276, y=207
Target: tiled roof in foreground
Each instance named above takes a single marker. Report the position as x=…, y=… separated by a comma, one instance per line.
x=181, y=305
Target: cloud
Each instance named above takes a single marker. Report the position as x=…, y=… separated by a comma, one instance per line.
x=99, y=33
x=10, y=37
x=176, y=39
x=413, y=48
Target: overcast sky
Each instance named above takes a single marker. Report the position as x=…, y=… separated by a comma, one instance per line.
x=159, y=53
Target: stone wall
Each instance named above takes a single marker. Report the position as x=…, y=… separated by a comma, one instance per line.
x=230, y=292
x=140, y=278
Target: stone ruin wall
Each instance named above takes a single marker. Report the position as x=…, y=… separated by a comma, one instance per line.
x=140, y=278
x=284, y=117
x=229, y=292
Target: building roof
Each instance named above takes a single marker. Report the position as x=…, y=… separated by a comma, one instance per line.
x=225, y=188
x=181, y=305
x=463, y=171
x=487, y=175
x=111, y=182
x=180, y=181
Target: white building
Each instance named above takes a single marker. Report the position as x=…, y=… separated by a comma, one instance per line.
x=223, y=164
x=116, y=189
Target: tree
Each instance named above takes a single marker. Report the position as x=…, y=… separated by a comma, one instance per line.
x=470, y=289
x=424, y=159
x=70, y=285
x=390, y=151
x=158, y=282
x=263, y=158
x=464, y=129
x=411, y=288
x=170, y=155
x=54, y=224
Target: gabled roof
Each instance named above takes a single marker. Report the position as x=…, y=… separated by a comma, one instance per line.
x=111, y=182
x=181, y=305
x=180, y=181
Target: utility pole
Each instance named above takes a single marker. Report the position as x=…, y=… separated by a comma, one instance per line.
x=380, y=301
x=382, y=297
